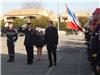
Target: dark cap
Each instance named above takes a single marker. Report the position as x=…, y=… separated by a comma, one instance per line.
x=50, y=21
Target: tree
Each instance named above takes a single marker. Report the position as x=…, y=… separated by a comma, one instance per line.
x=2, y=23
x=19, y=22
x=42, y=22
x=83, y=20
x=62, y=26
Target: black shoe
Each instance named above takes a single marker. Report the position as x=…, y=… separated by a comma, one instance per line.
x=50, y=66
x=55, y=64
x=10, y=60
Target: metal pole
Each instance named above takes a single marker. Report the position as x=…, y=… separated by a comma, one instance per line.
x=58, y=23
x=58, y=13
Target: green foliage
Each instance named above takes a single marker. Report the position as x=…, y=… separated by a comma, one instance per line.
x=2, y=23
x=34, y=22
x=62, y=26
x=40, y=22
x=19, y=22
x=83, y=20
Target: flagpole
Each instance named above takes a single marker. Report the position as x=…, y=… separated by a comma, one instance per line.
x=58, y=14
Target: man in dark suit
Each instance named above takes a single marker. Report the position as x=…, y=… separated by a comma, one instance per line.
x=51, y=39
x=29, y=42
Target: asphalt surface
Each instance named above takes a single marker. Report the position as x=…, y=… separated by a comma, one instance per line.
x=71, y=59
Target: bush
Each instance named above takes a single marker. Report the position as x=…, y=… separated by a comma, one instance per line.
x=62, y=26
x=2, y=23
x=40, y=22
x=83, y=20
x=19, y=22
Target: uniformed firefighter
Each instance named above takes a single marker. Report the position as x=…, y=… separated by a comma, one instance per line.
x=11, y=39
x=95, y=49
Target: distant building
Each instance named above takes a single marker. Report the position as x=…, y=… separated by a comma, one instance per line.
x=85, y=13
x=37, y=12
x=31, y=13
x=64, y=16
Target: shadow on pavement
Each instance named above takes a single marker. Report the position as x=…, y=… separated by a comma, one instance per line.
x=72, y=60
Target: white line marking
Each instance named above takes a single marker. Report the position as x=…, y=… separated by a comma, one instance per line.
x=79, y=68
x=51, y=69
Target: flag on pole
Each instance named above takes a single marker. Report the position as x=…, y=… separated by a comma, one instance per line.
x=73, y=22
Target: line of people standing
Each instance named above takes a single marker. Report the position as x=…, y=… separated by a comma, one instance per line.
x=34, y=37
x=93, y=39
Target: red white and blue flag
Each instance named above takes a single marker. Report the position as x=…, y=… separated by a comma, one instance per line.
x=73, y=22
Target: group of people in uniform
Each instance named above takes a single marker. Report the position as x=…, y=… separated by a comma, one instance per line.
x=92, y=36
x=34, y=37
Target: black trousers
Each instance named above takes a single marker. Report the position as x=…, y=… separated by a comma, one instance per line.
x=94, y=67
x=30, y=54
x=11, y=52
x=52, y=54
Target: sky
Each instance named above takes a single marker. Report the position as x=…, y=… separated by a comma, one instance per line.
x=57, y=6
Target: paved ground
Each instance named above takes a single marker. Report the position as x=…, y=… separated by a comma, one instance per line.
x=71, y=53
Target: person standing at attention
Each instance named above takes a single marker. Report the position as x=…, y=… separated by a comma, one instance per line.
x=29, y=42
x=11, y=39
x=51, y=40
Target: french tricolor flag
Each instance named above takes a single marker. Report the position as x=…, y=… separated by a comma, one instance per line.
x=73, y=22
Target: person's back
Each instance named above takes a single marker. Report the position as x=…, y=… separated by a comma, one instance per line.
x=39, y=36
x=39, y=43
